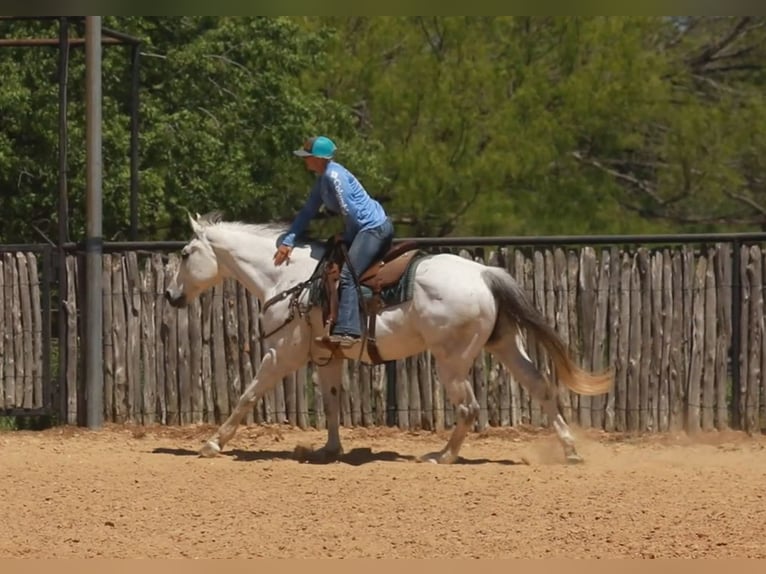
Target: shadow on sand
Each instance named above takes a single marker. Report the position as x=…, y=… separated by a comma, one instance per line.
x=354, y=457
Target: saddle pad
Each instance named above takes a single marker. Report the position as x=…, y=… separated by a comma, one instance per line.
x=395, y=294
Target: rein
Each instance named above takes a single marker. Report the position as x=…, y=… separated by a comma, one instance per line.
x=295, y=291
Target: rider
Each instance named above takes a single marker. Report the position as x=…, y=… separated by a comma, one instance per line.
x=368, y=231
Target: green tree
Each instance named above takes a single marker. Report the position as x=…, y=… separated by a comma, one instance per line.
x=557, y=125
x=460, y=125
x=221, y=108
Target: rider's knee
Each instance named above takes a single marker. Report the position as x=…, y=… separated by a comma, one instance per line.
x=345, y=277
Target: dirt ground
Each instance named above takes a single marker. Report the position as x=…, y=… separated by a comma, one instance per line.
x=143, y=492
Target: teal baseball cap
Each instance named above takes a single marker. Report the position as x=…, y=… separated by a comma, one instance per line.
x=319, y=146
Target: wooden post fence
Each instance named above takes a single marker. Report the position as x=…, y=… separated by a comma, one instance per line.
x=668, y=320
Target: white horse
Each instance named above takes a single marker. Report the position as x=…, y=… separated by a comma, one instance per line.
x=457, y=307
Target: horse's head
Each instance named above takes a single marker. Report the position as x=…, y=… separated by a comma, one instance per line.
x=199, y=268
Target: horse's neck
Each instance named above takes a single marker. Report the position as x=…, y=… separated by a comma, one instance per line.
x=302, y=263
x=249, y=258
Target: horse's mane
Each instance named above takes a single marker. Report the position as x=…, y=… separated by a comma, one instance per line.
x=275, y=228
x=215, y=219
x=257, y=228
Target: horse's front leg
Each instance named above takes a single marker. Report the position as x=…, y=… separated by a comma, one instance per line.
x=279, y=361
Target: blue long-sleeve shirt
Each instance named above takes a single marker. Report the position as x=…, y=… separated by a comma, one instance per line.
x=341, y=193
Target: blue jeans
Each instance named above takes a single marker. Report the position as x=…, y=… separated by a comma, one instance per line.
x=367, y=247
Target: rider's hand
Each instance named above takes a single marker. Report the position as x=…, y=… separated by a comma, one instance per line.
x=282, y=254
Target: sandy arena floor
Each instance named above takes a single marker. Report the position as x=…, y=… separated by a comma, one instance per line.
x=134, y=492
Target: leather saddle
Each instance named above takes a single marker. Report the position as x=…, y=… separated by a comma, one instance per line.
x=384, y=272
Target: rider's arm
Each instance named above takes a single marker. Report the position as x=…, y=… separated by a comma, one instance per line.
x=340, y=192
x=309, y=210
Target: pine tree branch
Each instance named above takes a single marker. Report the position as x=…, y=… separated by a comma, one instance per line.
x=750, y=202
x=642, y=185
x=711, y=51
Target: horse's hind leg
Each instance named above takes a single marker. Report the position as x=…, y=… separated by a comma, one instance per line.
x=510, y=351
x=453, y=375
x=330, y=380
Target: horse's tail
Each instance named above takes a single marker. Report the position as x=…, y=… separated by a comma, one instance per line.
x=515, y=307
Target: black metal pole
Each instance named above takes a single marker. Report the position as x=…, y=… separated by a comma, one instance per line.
x=47, y=279
x=392, y=414
x=134, y=94
x=63, y=216
x=125, y=38
x=556, y=240
x=529, y=241
x=736, y=335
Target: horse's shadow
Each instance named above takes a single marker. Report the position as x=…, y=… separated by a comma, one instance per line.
x=354, y=457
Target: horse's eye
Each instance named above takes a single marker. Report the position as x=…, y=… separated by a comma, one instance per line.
x=184, y=254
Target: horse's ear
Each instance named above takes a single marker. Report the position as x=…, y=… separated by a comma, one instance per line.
x=196, y=227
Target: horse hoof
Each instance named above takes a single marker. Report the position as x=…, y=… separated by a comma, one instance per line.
x=328, y=456
x=210, y=449
x=437, y=458
x=575, y=459
x=431, y=457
